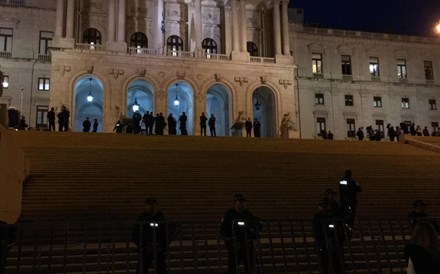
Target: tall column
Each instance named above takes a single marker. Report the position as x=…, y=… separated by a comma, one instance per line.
x=276, y=26
x=228, y=30
x=121, y=20
x=60, y=19
x=70, y=19
x=235, y=26
x=243, y=26
x=199, y=28
x=111, y=21
x=160, y=25
x=285, y=26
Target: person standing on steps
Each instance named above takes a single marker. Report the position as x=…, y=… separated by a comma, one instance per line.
x=203, y=120
x=211, y=124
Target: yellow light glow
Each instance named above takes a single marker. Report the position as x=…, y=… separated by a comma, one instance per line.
x=437, y=28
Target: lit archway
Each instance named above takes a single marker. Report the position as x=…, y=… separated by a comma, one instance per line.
x=139, y=92
x=263, y=103
x=180, y=99
x=217, y=103
x=88, y=100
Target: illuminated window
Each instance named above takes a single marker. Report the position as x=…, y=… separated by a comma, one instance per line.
x=319, y=99
x=374, y=67
x=377, y=101
x=351, y=128
x=6, y=39
x=320, y=125
x=41, y=116
x=405, y=103
x=317, y=63
x=401, y=68
x=43, y=83
x=5, y=81
x=92, y=36
x=174, y=44
x=380, y=127
x=139, y=40
x=46, y=38
x=349, y=100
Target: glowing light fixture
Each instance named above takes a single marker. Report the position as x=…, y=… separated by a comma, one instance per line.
x=437, y=28
x=135, y=105
x=5, y=84
x=90, y=96
x=176, y=101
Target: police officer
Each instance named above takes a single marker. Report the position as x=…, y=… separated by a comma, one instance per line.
x=328, y=231
x=239, y=228
x=149, y=234
x=348, y=189
x=8, y=234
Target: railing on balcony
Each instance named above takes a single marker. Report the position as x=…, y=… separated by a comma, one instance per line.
x=44, y=57
x=143, y=51
x=90, y=47
x=5, y=54
x=180, y=54
x=265, y=60
x=13, y=2
x=215, y=56
x=281, y=246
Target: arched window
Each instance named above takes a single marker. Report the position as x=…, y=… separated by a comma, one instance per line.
x=139, y=40
x=174, y=44
x=92, y=36
x=252, y=48
x=209, y=45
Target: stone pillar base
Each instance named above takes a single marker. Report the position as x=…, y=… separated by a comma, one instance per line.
x=65, y=43
x=284, y=59
x=240, y=56
x=116, y=46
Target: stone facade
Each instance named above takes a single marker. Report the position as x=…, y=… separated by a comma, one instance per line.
x=232, y=58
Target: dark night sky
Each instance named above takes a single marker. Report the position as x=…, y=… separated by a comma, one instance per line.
x=413, y=17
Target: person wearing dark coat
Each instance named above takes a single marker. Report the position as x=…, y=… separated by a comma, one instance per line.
x=8, y=235
x=328, y=231
x=137, y=117
x=148, y=120
x=95, y=125
x=257, y=127
x=419, y=215
x=211, y=124
x=150, y=236
x=248, y=127
x=203, y=120
x=360, y=134
x=348, y=190
x=239, y=228
x=51, y=119
x=87, y=125
x=118, y=127
x=182, y=119
x=172, y=124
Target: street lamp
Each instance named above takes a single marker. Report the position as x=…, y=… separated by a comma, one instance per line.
x=135, y=105
x=437, y=28
x=90, y=96
x=176, y=101
x=5, y=82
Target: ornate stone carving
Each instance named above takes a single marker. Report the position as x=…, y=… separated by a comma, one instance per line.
x=263, y=80
x=285, y=83
x=89, y=69
x=142, y=72
x=241, y=80
x=116, y=72
x=160, y=94
x=63, y=69
x=217, y=77
x=181, y=74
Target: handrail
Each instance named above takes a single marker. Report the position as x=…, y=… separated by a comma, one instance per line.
x=89, y=47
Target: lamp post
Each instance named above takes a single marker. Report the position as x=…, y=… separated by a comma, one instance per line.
x=135, y=105
x=176, y=101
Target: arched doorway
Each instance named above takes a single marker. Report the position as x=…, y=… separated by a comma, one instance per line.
x=263, y=104
x=88, y=100
x=217, y=103
x=180, y=99
x=139, y=92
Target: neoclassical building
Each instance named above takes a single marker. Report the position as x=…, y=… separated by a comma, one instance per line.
x=235, y=59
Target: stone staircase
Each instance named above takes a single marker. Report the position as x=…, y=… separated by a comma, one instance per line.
x=88, y=179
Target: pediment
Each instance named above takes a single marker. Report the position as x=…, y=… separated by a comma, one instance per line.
x=7, y=21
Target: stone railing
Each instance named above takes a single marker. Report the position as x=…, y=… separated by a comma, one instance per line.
x=265, y=60
x=44, y=57
x=5, y=54
x=143, y=51
x=89, y=47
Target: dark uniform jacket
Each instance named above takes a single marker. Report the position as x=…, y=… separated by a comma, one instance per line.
x=327, y=227
x=232, y=226
x=348, y=190
x=150, y=229
x=424, y=262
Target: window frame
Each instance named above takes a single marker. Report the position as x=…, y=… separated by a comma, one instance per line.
x=402, y=72
x=321, y=125
x=349, y=100
x=209, y=45
x=346, y=67
x=317, y=63
x=381, y=127
x=351, y=127
x=319, y=99
x=41, y=116
x=92, y=35
x=377, y=102
x=7, y=39
x=252, y=49
x=374, y=67
x=429, y=70
x=432, y=104
x=139, y=40
x=174, y=44
x=45, y=42
x=405, y=103
x=5, y=80
x=43, y=84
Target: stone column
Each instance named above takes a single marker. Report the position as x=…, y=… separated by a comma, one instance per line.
x=276, y=26
x=228, y=30
x=285, y=26
x=243, y=26
x=160, y=23
x=121, y=20
x=59, y=27
x=235, y=26
x=70, y=19
x=111, y=21
x=199, y=28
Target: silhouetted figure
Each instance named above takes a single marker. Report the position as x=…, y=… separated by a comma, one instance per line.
x=8, y=235
x=360, y=134
x=419, y=215
x=203, y=120
x=398, y=133
x=159, y=124
x=87, y=125
x=391, y=133
x=51, y=119
x=150, y=236
x=422, y=254
x=66, y=118
x=248, y=127
x=137, y=117
x=239, y=229
x=257, y=127
x=412, y=129
x=324, y=134
x=172, y=125
x=95, y=125
x=22, y=125
x=426, y=131
x=149, y=122
x=348, y=189
x=118, y=127
x=328, y=231
x=330, y=135
x=211, y=124
x=182, y=119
